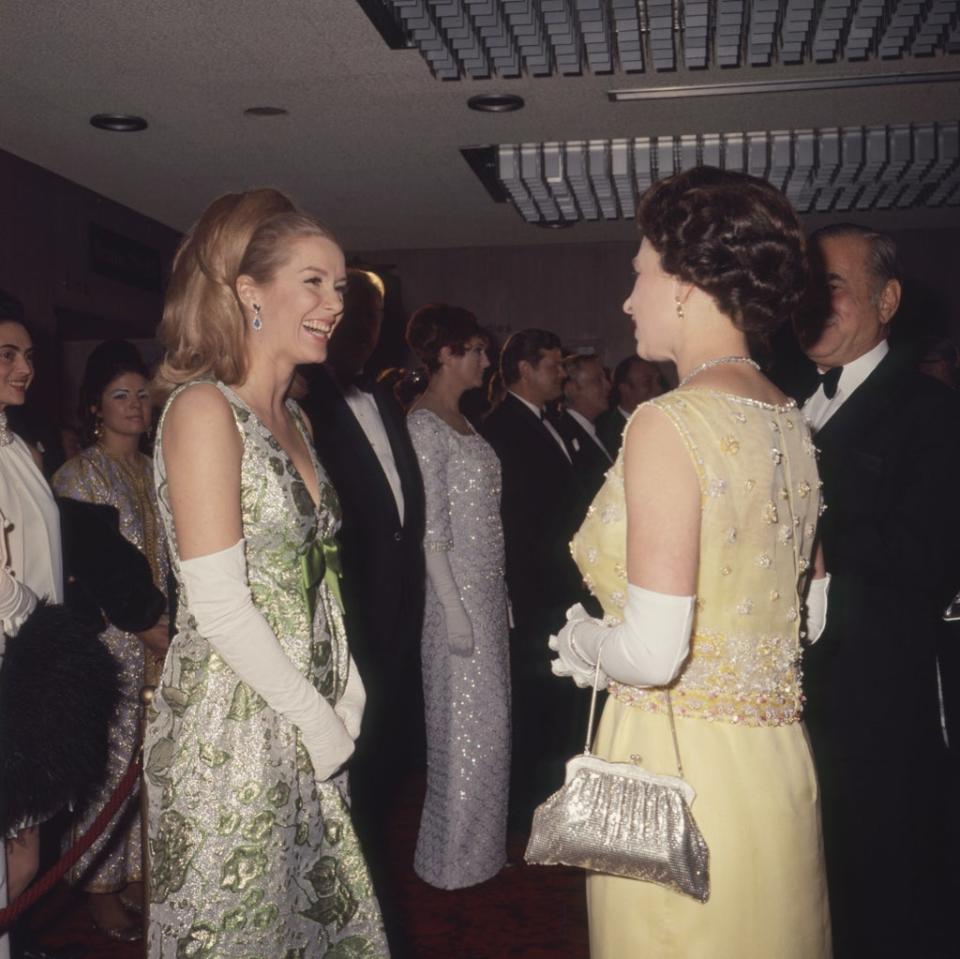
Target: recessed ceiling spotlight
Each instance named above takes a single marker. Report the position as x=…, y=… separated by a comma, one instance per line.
x=495, y=103
x=555, y=224
x=265, y=112
x=118, y=122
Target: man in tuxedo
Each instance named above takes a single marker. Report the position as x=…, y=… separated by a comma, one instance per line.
x=889, y=441
x=542, y=505
x=361, y=439
x=586, y=393
x=635, y=380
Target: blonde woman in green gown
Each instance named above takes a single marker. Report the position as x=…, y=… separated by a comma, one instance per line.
x=252, y=849
x=700, y=548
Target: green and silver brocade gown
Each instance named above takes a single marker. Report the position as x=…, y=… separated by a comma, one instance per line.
x=249, y=856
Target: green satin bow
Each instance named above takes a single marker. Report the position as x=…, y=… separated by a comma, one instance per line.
x=320, y=561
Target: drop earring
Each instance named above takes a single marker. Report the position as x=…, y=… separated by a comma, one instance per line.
x=98, y=429
x=257, y=319
x=680, y=315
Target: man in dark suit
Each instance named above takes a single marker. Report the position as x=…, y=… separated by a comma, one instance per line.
x=361, y=439
x=586, y=392
x=542, y=505
x=889, y=442
x=635, y=380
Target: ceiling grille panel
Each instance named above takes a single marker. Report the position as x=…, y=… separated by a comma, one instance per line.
x=508, y=38
x=820, y=170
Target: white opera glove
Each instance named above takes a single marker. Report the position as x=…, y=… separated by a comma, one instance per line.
x=817, y=608
x=218, y=596
x=646, y=649
x=350, y=705
x=570, y=661
x=17, y=602
x=458, y=626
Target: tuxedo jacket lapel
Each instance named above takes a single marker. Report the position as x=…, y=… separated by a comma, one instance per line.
x=531, y=424
x=872, y=398
x=347, y=441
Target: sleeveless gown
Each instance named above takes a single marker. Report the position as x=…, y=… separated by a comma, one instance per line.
x=249, y=855
x=737, y=701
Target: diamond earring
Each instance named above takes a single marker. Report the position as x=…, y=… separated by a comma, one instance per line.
x=257, y=318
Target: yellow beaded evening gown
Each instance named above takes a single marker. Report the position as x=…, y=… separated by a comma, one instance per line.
x=737, y=701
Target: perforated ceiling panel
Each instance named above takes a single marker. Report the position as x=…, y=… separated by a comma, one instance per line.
x=819, y=170
x=510, y=38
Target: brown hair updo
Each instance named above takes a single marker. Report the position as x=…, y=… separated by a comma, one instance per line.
x=735, y=237
x=437, y=326
x=204, y=326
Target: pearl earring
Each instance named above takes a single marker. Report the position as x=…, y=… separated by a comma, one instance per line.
x=257, y=318
x=679, y=311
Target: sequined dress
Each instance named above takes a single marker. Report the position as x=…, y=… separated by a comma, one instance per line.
x=463, y=827
x=737, y=701
x=250, y=857
x=94, y=476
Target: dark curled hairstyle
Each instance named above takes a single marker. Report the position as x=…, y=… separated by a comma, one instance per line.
x=527, y=345
x=735, y=237
x=437, y=326
x=110, y=359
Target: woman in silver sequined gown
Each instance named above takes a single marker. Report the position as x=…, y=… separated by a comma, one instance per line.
x=253, y=854
x=111, y=470
x=466, y=679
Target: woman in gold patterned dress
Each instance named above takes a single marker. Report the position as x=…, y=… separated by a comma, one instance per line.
x=252, y=849
x=116, y=411
x=700, y=548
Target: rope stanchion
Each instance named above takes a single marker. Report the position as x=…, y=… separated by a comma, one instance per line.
x=69, y=859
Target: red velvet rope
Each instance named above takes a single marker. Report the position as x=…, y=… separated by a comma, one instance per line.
x=69, y=859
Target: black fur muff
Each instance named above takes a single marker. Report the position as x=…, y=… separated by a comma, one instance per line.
x=58, y=690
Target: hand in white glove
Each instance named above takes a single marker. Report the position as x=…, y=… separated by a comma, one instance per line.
x=570, y=660
x=457, y=622
x=647, y=649
x=350, y=705
x=218, y=595
x=817, y=608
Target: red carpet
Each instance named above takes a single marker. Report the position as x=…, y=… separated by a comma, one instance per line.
x=526, y=912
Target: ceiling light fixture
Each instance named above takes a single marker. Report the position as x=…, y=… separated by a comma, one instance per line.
x=265, y=112
x=781, y=86
x=118, y=122
x=495, y=103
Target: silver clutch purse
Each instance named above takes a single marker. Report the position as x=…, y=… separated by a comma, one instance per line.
x=619, y=819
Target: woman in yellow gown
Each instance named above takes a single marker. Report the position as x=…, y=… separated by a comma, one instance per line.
x=700, y=547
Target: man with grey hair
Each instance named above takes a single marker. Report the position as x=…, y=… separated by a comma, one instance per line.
x=889, y=441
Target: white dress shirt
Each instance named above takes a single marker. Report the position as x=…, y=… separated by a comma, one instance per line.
x=364, y=408
x=590, y=430
x=818, y=409
x=551, y=429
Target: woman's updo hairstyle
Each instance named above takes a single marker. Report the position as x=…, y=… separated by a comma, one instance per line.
x=735, y=237
x=435, y=326
x=204, y=325
x=109, y=359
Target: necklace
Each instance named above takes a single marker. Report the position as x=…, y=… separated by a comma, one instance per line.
x=6, y=434
x=720, y=360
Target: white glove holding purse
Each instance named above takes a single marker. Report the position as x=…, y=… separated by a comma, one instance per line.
x=646, y=649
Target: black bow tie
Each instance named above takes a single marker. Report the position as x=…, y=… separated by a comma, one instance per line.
x=829, y=381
